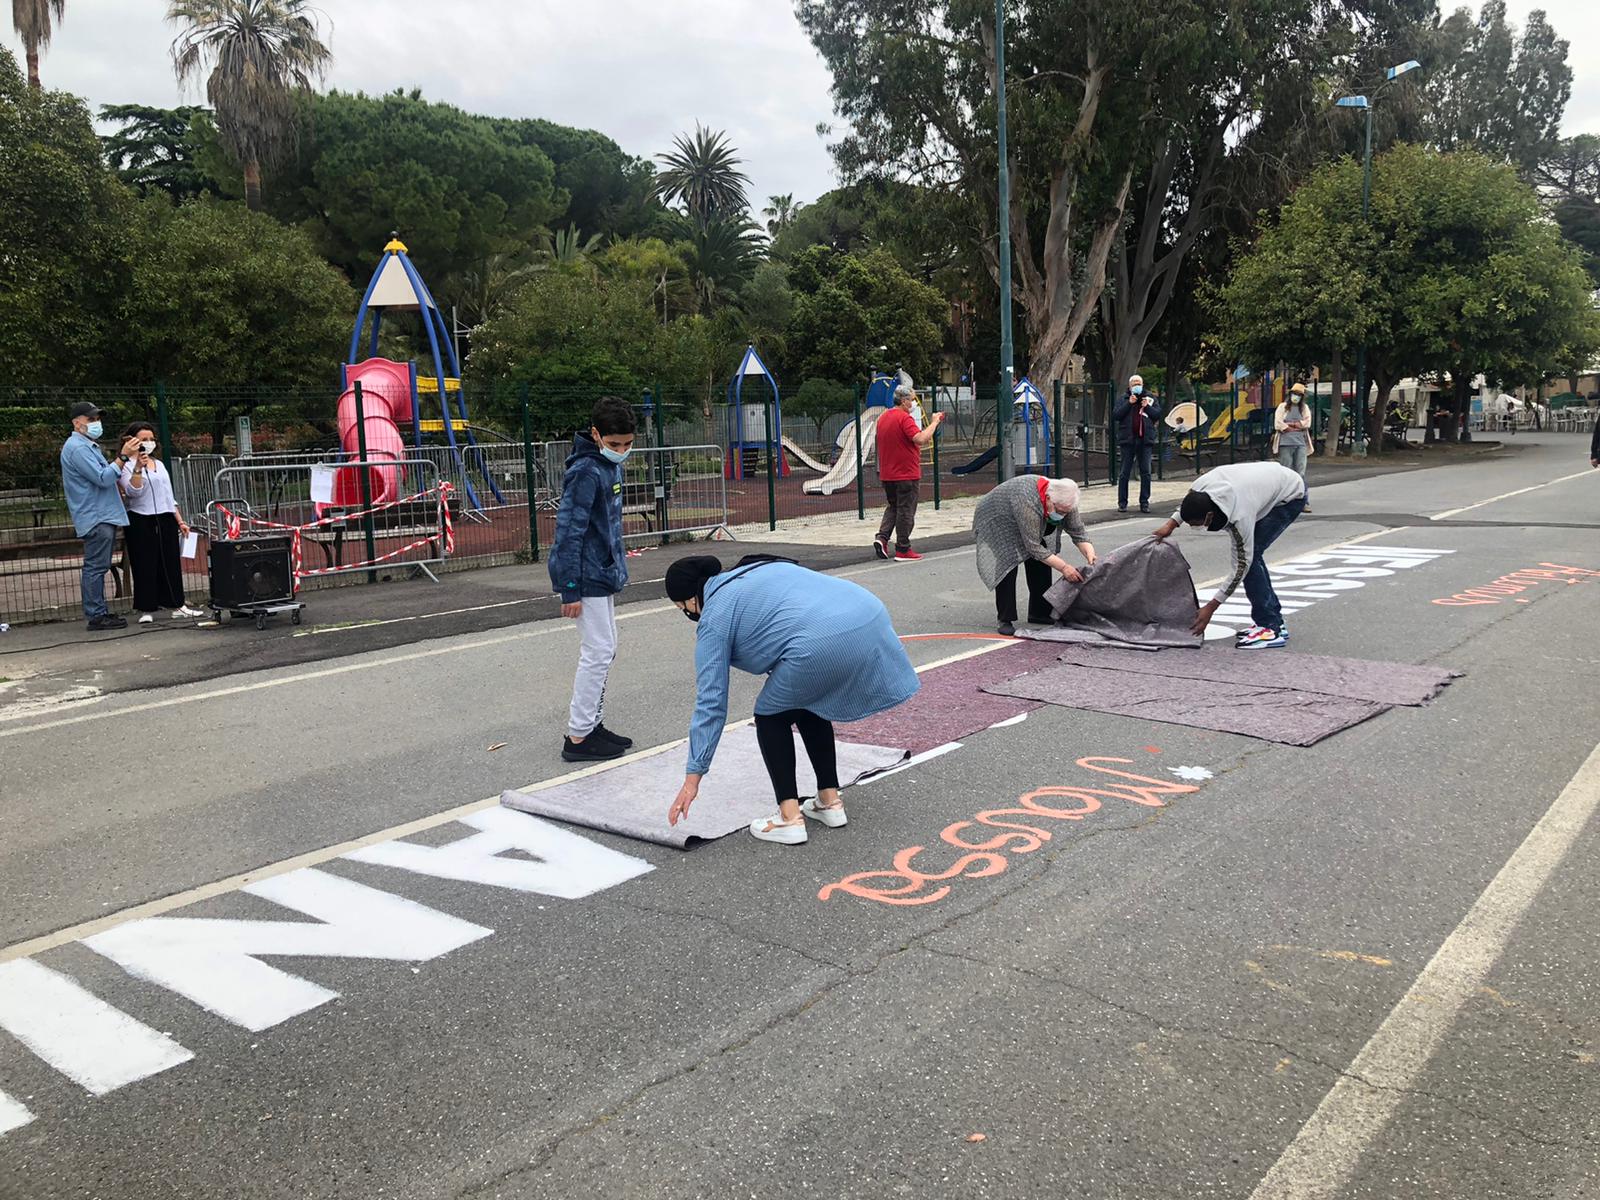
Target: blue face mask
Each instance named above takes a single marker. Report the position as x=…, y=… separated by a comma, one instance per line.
x=94, y=429
x=1137, y=389
x=614, y=456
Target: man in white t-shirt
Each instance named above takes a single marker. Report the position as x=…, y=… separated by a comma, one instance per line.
x=1255, y=503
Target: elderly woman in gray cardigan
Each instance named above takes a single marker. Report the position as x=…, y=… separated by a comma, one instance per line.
x=1019, y=523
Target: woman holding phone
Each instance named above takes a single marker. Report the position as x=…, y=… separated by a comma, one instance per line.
x=154, y=528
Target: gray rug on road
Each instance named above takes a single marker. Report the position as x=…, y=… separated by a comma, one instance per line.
x=1294, y=700
x=632, y=798
x=1140, y=596
x=1351, y=678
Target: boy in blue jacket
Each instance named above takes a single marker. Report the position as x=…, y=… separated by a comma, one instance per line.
x=588, y=567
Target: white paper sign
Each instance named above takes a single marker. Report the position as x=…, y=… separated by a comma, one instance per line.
x=191, y=544
x=322, y=485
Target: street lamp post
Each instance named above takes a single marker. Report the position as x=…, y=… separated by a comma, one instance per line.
x=1359, y=444
x=1007, y=364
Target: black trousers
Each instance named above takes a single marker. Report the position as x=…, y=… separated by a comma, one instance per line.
x=153, y=557
x=774, y=736
x=1040, y=579
x=1131, y=452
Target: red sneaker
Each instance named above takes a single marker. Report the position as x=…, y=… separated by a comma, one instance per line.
x=906, y=556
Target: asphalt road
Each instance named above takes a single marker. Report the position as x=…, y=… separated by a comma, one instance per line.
x=1370, y=968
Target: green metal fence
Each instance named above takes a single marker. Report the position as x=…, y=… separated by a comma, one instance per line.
x=512, y=454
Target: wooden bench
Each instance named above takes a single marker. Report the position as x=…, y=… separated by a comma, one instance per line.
x=31, y=499
x=639, y=497
x=66, y=547
x=412, y=520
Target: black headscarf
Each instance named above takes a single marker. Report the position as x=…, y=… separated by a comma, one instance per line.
x=686, y=578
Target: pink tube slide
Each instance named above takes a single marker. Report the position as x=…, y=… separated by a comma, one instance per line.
x=385, y=401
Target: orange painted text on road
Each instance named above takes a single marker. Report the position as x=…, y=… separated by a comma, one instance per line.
x=1516, y=583
x=921, y=882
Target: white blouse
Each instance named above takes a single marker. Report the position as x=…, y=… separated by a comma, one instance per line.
x=156, y=494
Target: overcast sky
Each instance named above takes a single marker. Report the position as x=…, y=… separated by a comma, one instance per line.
x=637, y=70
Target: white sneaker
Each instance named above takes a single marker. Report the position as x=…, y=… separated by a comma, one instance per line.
x=146, y=618
x=186, y=611
x=832, y=817
x=772, y=829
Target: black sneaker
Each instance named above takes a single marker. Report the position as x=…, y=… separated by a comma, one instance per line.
x=1007, y=629
x=605, y=735
x=591, y=749
x=109, y=621
x=1145, y=509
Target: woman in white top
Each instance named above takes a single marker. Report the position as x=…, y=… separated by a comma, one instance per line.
x=154, y=527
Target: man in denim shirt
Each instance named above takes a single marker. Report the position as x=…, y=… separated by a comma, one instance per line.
x=95, y=501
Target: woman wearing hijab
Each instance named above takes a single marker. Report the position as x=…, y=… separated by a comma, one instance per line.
x=1019, y=524
x=154, y=526
x=829, y=654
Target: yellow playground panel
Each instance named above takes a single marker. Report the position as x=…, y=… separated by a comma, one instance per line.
x=427, y=384
x=1241, y=410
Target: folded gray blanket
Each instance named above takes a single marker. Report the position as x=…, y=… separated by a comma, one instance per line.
x=1140, y=596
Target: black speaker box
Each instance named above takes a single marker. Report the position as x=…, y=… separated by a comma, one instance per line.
x=250, y=571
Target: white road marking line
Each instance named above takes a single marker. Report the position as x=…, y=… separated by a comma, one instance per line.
x=448, y=612
x=548, y=629
x=916, y=760
x=12, y=1115
x=1328, y=1148
x=98, y=1047
x=312, y=858
x=1507, y=495
x=216, y=962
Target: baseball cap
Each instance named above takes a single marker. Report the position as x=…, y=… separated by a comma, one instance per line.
x=83, y=409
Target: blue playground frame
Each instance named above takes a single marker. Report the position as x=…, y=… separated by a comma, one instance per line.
x=738, y=436
x=438, y=334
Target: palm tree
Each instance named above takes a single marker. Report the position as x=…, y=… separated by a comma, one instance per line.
x=260, y=53
x=720, y=258
x=566, y=248
x=702, y=172
x=484, y=288
x=780, y=212
x=34, y=21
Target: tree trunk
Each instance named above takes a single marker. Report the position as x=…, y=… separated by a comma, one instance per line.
x=1330, y=435
x=252, y=184
x=1461, y=393
x=33, y=67
x=1384, y=385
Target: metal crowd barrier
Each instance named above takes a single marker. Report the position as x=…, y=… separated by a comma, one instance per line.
x=672, y=490
x=412, y=527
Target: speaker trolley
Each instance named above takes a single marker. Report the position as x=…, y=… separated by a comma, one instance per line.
x=251, y=576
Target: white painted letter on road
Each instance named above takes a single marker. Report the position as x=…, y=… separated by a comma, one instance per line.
x=570, y=866
x=12, y=1115
x=212, y=961
x=98, y=1047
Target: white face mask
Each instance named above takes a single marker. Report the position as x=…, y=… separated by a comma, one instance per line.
x=147, y=446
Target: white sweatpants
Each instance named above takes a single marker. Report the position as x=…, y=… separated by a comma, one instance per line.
x=597, y=646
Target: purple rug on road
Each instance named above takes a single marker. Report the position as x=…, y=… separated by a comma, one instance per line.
x=632, y=797
x=1293, y=699
x=952, y=703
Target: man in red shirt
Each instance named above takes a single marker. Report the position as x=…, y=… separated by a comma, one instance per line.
x=900, y=446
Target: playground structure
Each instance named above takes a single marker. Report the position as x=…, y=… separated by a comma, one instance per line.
x=391, y=392
x=1032, y=450
x=880, y=399
x=749, y=433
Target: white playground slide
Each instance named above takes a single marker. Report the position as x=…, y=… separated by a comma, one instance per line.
x=805, y=459
x=843, y=472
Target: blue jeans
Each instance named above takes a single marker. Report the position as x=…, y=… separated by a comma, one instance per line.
x=1131, y=451
x=1265, y=610
x=1294, y=457
x=98, y=544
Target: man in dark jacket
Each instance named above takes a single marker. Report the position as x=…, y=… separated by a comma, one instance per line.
x=1135, y=416
x=1594, y=446
x=588, y=567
